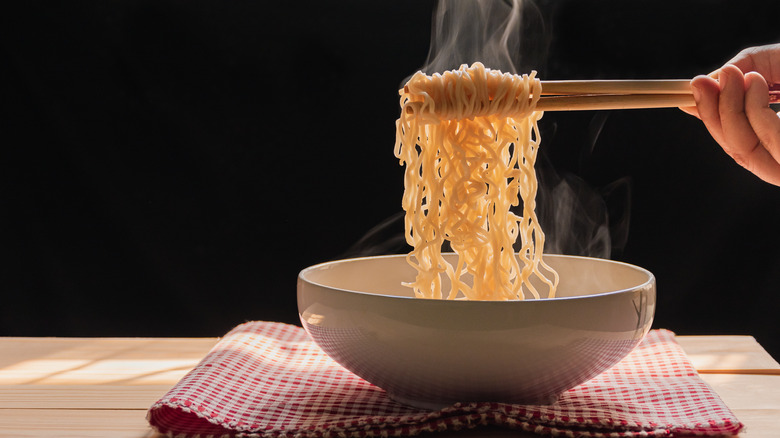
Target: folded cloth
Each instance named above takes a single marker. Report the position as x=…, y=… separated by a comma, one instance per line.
x=266, y=379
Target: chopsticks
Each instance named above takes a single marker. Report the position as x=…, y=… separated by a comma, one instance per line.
x=614, y=94
x=622, y=94
x=619, y=94
x=649, y=86
x=613, y=102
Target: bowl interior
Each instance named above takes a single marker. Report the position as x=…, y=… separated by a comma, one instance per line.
x=384, y=275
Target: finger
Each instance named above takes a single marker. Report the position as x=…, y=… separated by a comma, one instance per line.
x=762, y=59
x=706, y=94
x=738, y=140
x=744, y=60
x=765, y=160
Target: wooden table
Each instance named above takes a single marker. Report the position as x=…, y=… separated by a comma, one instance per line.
x=102, y=387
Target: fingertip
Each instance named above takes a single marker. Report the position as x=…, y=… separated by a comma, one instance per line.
x=731, y=69
x=701, y=85
x=755, y=79
x=728, y=73
x=696, y=85
x=703, y=81
x=756, y=90
x=698, y=82
x=706, y=91
x=732, y=87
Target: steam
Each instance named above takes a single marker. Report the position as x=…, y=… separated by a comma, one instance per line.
x=464, y=32
x=576, y=218
x=383, y=238
x=580, y=220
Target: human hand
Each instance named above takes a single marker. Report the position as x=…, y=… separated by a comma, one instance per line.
x=734, y=106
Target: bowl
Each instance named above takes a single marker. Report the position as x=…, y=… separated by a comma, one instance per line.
x=431, y=353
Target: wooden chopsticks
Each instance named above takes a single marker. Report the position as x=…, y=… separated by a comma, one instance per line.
x=622, y=94
x=614, y=94
x=650, y=86
x=613, y=102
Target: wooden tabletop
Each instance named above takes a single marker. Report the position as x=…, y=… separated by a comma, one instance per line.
x=102, y=387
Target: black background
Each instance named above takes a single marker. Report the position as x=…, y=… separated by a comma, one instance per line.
x=169, y=166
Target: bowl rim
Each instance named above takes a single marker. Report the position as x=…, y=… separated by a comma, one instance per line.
x=301, y=277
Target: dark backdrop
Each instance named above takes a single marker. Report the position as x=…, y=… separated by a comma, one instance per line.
x=169, y=166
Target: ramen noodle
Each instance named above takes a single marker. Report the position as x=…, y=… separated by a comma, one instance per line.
x=468, y=139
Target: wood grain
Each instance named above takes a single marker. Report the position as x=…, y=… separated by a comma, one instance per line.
x=80, y=396
x=102, y=387
x=76, y=423
x=728, y=354
x=126, y=361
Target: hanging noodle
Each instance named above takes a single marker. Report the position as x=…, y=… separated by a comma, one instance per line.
x=469, y=139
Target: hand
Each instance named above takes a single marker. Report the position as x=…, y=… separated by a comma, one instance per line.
x=735, y=109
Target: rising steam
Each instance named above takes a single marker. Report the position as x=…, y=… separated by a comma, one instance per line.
x=508, y=35
x=465, y=32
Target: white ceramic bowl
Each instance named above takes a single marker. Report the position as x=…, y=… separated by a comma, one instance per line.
x=432, y=353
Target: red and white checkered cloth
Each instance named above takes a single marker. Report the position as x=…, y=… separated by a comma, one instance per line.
x=266, y=379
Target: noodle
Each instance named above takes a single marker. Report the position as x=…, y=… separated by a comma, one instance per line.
x=469, y=139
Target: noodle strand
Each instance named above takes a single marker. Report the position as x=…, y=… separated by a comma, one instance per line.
x=469, y=140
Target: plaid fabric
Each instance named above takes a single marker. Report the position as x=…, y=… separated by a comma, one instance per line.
x=266, y=379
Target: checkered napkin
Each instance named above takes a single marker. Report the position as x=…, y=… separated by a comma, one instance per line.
x=266, y=379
